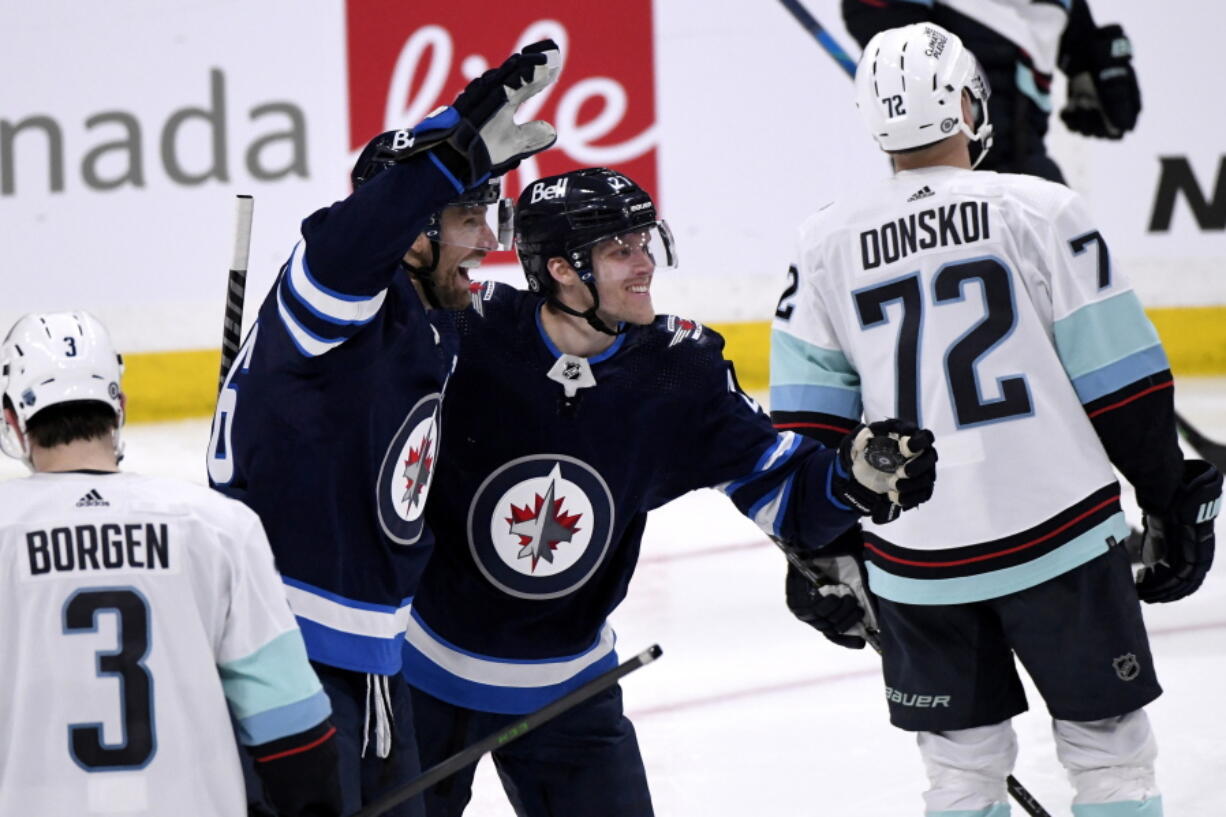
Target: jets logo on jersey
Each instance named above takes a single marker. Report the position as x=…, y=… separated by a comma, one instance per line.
x=407, y=470
x=540, y=526
x=683, y=328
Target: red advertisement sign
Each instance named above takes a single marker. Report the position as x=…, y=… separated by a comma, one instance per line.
x=406, y=59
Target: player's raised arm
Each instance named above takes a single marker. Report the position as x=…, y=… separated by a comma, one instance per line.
x=337, y=277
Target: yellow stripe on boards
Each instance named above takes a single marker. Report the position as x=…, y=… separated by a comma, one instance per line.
x=175, y=385
x=170, y=385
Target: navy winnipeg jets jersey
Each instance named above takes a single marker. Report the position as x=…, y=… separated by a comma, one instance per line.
x=540, y=503
x=327, y=425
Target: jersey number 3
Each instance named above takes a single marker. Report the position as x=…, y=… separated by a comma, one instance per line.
x=962, y=357
x=138, y=743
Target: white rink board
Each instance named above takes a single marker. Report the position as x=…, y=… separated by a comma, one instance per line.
x=754, y=123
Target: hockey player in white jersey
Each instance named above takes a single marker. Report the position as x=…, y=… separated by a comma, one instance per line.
x=985, y=307
x=137, y=615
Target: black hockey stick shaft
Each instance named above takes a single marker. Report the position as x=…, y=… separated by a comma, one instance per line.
x=236, y=286
x=510, y=732
x=1025, y=799
x=819, y=32
x=1214, y=453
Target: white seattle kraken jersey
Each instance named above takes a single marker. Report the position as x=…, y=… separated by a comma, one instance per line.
x=984, y=307
x=136, y=615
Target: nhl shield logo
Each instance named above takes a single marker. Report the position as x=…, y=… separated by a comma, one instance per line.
x=1126, y=667
x=407, y=471
x=539, y=526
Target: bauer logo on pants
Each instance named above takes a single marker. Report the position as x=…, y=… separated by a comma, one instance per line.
x=407, y=471
x=540, y=526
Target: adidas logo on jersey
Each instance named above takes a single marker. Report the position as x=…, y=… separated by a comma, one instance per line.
x=92, y=500
x=923, y=193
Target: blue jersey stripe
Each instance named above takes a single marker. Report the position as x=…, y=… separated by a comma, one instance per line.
x=359, y=653
x=824, y=399
x=433, y=679
x=285, y=720
x=1121, y=373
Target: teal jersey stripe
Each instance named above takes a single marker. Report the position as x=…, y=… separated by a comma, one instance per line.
x=1102, y=333
x=795, y=362
x=1128, y=808
x=283, y=721
x=274, y=676
x=805, y=377
x=1121, y=373
x=997, y=583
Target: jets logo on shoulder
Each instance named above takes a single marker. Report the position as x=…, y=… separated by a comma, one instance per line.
x=478, y=293
x=407, y=470
x=683, y=328
x=540, y=526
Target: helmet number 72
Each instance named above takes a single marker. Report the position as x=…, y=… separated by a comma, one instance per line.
x=893, y=105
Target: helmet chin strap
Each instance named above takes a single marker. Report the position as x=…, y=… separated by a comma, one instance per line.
x=425, y=275
x=589, y=315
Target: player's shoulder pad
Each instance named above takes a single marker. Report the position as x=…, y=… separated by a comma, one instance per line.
x=687, y=336
x=1032, y=193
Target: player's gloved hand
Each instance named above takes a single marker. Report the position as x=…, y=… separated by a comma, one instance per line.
x=1104, y=99
x=1177, y=548
x=477, y=135
x=885, y=468
x=490, y=101
x=827, y=592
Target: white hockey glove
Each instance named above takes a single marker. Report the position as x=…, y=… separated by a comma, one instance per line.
x=885, y=468
x=476, y=136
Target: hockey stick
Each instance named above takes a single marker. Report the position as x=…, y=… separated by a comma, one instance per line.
x=232, y=325
x=1215, y=453
x=810, y=24
x=510, y=732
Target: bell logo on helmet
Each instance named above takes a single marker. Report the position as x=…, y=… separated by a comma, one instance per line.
x=403, y=140
x=948, y=125
x=542, y=191
x=28, y=398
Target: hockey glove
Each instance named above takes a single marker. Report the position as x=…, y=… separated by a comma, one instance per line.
x=828, y=593
x=1103, y=97
x=1177, y=548
x=477, y=136
x=885, y=468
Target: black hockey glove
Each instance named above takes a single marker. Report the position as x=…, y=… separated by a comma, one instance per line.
x=477, y=136
x=827, y=592
x=1103, y=97
x=885, y=468
x=1177, y=548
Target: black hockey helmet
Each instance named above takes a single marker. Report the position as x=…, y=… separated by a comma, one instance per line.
x=564, y=216
x=385, y=150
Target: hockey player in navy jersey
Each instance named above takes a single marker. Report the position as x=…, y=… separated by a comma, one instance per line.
x=986, y=306
x=137, y=616
x=573, y=411
x=327, y=424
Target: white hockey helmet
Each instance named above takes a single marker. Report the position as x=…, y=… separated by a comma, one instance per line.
x=909, y=85
x=52, y=358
